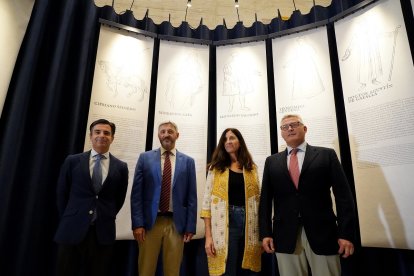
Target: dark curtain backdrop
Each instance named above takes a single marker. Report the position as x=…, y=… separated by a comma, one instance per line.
x=44, y=119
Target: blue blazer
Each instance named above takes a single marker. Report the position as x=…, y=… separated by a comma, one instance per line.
x=76, y=199
x=146, y=190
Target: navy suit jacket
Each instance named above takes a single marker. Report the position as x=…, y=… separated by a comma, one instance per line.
x=146, y=190
x=77, y=200
x=321, y=170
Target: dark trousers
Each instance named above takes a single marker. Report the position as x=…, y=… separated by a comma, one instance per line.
x=237, y=220
x=87, y=258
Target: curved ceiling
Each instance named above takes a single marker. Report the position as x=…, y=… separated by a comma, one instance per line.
x=212, y=12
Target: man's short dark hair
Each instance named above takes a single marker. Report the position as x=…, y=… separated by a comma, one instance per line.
x=103, y=122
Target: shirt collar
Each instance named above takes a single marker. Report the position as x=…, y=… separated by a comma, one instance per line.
x=301, y=147
x=173, y=151
x=94, y=153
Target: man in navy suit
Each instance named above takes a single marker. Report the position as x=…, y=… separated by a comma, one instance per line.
x=86, y=231
x=158, y=225
x=304, y=229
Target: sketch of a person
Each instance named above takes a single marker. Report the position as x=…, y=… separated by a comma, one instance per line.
x=238, y=81
x=184, y=84
x=306, y=79
x=370, y=53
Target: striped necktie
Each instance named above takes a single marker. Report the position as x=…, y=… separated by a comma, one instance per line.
x=166, y=184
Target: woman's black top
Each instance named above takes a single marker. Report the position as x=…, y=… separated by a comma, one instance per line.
x=236, y=189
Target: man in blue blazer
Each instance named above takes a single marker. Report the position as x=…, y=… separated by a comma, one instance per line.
x=304, y=228
x=86, y=231
x=163, y=204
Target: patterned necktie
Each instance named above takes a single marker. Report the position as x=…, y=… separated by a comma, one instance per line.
x=97, y=173
x=294, y=167
x=166, y=184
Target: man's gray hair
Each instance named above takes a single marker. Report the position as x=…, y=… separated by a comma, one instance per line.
x=174, y=125
x=292, y=116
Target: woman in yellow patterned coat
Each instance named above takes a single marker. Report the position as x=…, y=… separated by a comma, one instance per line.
x=230, y=209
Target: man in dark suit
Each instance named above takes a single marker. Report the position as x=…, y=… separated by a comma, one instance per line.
x=297, y=188
x=163, y=204
x=90, y=192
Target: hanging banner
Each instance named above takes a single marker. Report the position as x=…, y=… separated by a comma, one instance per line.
x=303, y=85
x=14, y=17
x=242, y=96
x=377, y=78
x=120, y=94
x=182, y=97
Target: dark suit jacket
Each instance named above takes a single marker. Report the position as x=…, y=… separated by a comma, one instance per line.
x=146, y=191
x=76, y=199
x=321, y=170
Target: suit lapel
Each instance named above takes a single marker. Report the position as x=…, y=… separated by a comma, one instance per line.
x=84, y=164
x=178, y=164
x=283, y=161
x=111, y=169
x=157, y=160
x=310, y=156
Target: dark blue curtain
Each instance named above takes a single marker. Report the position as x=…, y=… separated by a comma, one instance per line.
x=44, y=119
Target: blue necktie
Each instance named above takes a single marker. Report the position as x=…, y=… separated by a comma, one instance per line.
x=97, y=173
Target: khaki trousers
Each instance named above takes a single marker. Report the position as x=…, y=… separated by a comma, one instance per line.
x=162, y=236
x=296, y=264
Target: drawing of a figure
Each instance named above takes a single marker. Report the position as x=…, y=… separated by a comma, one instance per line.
x=184, y=84
x=306, y=79
x=372, y=53
x=238, y=81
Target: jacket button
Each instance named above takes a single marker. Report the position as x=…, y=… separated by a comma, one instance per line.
x=97, y=197
x=90, y=212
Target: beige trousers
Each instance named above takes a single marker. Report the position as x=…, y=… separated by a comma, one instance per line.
x=162, y=236
x=296, y=264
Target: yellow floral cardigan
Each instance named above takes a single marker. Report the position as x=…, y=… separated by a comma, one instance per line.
x=215, y=206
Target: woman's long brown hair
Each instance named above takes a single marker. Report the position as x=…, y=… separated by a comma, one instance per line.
x=221, y=159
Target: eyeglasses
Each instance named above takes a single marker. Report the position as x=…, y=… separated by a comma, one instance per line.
x=292, y=125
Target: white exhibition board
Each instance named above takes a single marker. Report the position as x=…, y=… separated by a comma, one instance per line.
x=120, y=94
x=377, y=77
x=242, y=96
x=303, y=85
x=182, y=97
x=14, y=18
